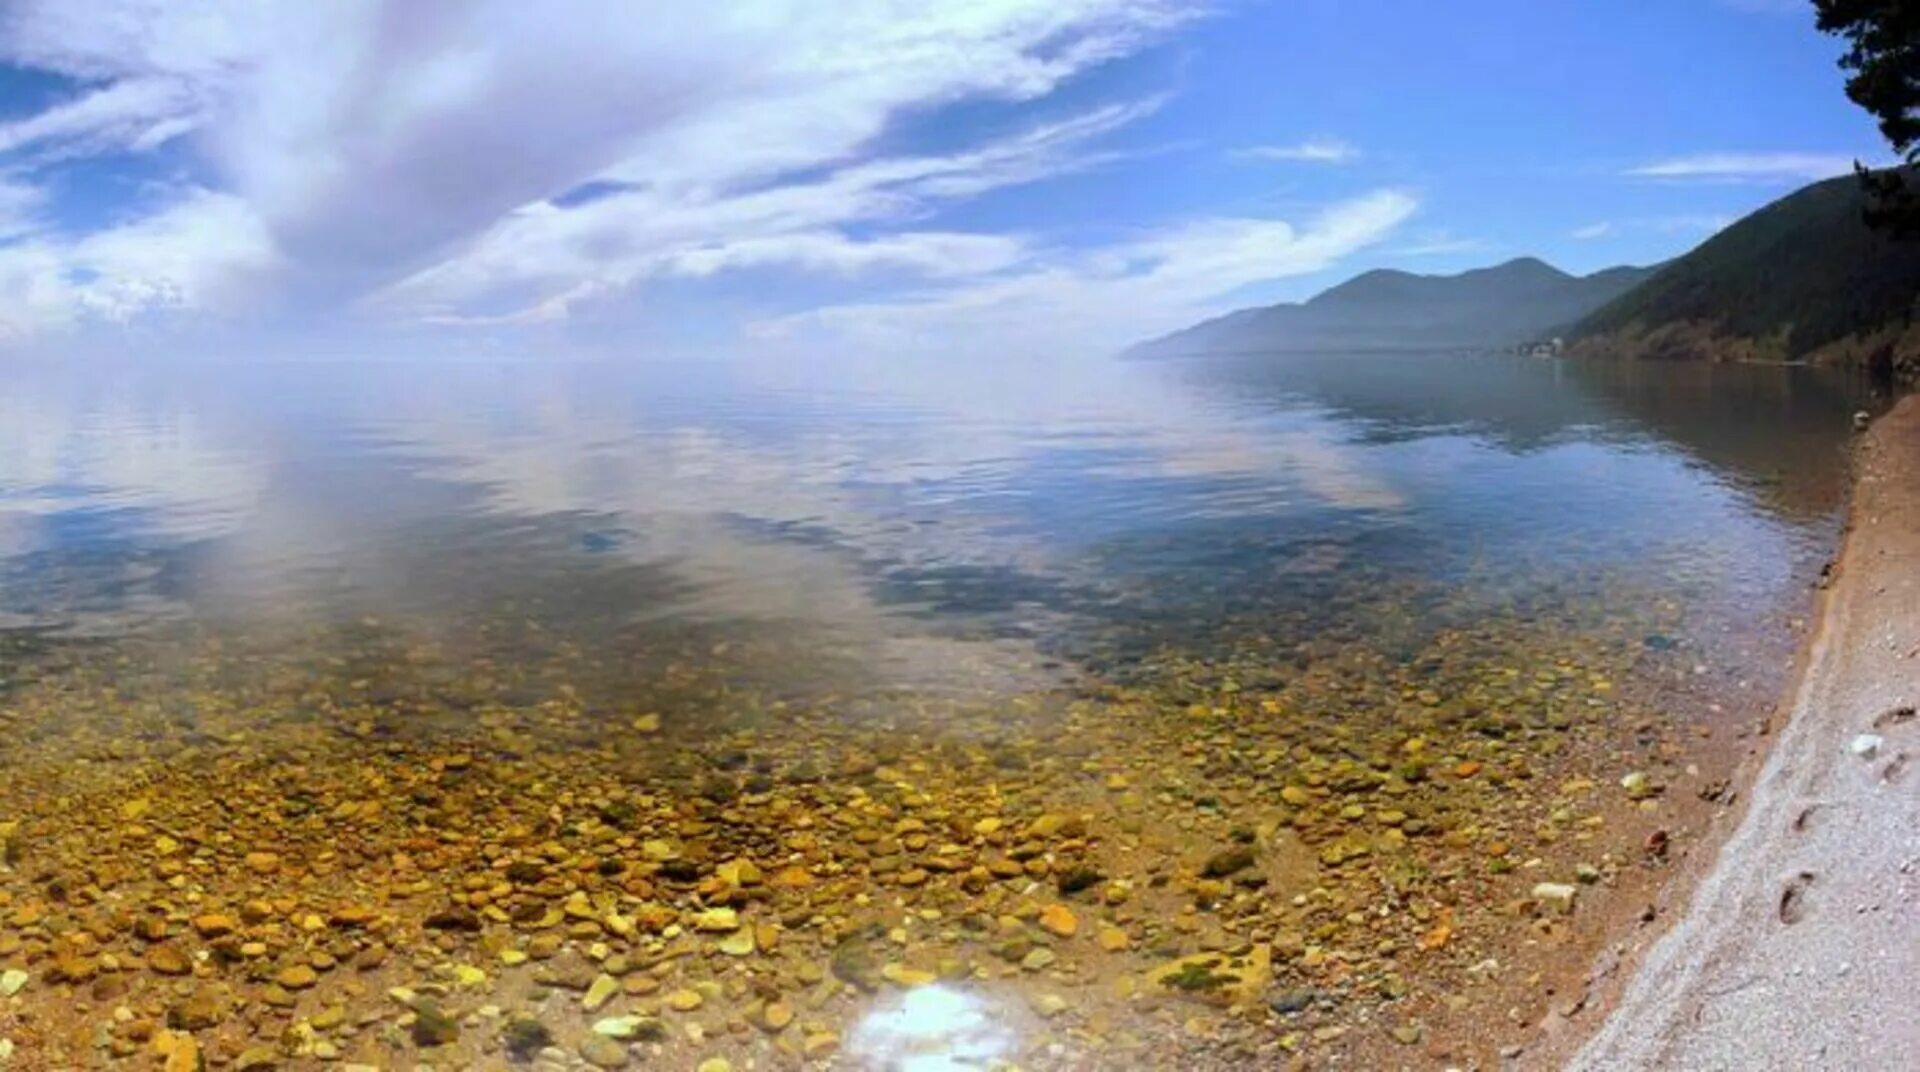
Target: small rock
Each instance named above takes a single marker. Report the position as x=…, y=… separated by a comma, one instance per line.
x=907, y=978
x=1232, y=861
x=431, y=1027
x=718, y=920
x=525, y=1036
x=771, y=1017
x=1292, y=1001
x=628, y=1028
x=1076, y=879
x=214, y=925
x=1218, y=978
x=454, y=918
x=1059, y=919
x=1556, y=896
x=600, y=991
x=256, y=1059
x=1048, y=1006
x=1866, y=746
x=202, y=1009
x=603, y=1052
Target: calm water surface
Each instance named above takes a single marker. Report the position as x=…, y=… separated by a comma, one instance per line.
x=1320, y=662
x=846, y=525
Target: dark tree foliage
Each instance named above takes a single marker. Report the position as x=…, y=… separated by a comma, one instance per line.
x=1883, y=56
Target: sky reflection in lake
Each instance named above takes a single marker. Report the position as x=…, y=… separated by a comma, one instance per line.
x=868, y=510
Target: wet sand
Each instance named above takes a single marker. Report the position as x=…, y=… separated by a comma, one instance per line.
x=1801, y=944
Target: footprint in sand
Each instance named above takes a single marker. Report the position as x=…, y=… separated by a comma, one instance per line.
x=1793, y=898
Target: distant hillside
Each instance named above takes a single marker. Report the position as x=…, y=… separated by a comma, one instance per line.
x=1801, y=279
x=1520, y=301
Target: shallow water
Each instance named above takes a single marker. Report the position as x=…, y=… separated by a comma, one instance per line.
x=1332, y=657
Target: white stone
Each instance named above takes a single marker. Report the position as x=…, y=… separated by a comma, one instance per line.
x=1556, y=896
x=619, y=1027
x=1866, y=746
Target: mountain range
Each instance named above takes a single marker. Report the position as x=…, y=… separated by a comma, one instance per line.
x=1508, y=304
x=1803, y=279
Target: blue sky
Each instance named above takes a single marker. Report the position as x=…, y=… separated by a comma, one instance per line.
x=899, y=177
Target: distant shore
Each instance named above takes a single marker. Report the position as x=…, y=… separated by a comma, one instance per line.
x=1801, y=942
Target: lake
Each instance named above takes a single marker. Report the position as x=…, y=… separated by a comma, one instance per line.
x=949, y=707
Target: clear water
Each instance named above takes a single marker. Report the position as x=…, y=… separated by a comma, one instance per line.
x=890, y=523
x=1323, y=658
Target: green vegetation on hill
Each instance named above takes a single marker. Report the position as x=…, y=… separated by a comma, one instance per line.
x=1802, y=278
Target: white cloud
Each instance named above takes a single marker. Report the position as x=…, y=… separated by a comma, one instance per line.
x=1746, y=166
x=1438, y=243
x=375, y=143
x=20, y=205
x=542, y=261
x=1107, y=297
x=1313, y=150
x=133, y=114
x=1594, y=230
x=196, y=255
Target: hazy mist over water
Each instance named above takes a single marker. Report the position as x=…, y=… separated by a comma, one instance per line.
x=860, y=508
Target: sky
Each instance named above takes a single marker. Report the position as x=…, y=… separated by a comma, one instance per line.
x=1027, y=177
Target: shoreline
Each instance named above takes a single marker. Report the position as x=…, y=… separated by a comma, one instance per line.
x=1794, y=938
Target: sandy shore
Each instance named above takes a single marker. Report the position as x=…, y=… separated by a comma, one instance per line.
x=1801, y=946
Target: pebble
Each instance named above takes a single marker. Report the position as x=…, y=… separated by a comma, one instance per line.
x=1866, y=745
x=601, y=1051
x=599, y=992
x=1556, y=896
x=771, y=1017
x=1229, y=862
x=585, y=872
x=1292, y=1001
x=1058, y=919
x=431, y=1027
x=628, y=1028
x=902, y=976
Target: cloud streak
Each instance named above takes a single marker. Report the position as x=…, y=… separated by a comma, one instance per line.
x=1746, y=167
x=1106, y=297
x=1311, y=151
